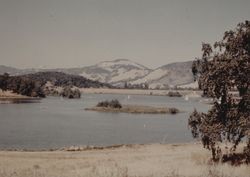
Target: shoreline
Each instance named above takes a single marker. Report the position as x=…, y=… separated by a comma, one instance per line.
x=194, y=93
x=154, y=160
x=74, y=148
x=82, y=148
x=191, y=93
x=9, y=97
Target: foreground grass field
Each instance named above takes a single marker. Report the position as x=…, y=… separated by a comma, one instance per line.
x=156, y=160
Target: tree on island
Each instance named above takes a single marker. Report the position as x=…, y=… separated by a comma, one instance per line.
x=223, y=68
x=21, y=85
x=70, y=92
x=4, y=81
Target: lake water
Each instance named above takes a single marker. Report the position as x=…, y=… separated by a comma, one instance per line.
x=57, y=122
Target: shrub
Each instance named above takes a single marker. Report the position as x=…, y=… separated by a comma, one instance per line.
x=173, y=110
x=71, y=93
x=103, y=104
x=111, y=104
x=174, y=94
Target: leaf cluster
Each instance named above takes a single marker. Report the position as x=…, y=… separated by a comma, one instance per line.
x=111, y=104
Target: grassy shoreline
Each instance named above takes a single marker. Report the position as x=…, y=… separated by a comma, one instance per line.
x=151, y=160
x=10, y=97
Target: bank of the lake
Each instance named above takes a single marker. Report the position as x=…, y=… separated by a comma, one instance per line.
x=153, y=160
x=191, y=93
x=7, y=97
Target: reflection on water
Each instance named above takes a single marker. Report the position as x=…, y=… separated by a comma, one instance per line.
x=19, y=100
x=56, y=122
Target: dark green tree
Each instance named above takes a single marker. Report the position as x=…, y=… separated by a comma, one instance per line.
x=225, y=68
x=21, y=85
x=3, y=81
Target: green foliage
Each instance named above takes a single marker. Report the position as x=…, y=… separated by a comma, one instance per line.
x=21, y=85
x=65, y=80
x=111, y=104
x=223, y=68
x=173, y=110
x=34, y=84
x=174, y=94
x=4, y=81
x=70, y=93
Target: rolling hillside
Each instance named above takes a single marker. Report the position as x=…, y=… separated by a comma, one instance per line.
x=121, y=71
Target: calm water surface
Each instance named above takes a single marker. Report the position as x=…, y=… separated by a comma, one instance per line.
x=57, y=122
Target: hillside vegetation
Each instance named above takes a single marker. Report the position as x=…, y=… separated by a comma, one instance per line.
x=125, y=73
x=34, y=85
x=63, y=80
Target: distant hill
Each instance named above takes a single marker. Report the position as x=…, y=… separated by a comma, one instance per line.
x=193, y=85
x=7, y=69
x=169, y=75
x=115, y=72
x=121, y=71
x=16, y=72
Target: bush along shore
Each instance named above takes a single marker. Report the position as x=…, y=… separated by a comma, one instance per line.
x=44, y=84
x=116, y=106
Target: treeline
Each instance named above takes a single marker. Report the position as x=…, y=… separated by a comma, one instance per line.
x=34, y=84
x=21, y=85
x=136, y=86
x=63, y=80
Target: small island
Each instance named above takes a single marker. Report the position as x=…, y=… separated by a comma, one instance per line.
x=115, y=106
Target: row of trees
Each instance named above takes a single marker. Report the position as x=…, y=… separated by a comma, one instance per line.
x=136, y=86
x=35, y=84
x=21, y=85
x=65, y=80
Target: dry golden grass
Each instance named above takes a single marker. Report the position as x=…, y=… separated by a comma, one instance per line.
x=156, y=160
x=10, y=94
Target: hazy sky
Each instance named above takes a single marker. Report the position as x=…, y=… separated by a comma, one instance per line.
x=73, y=33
